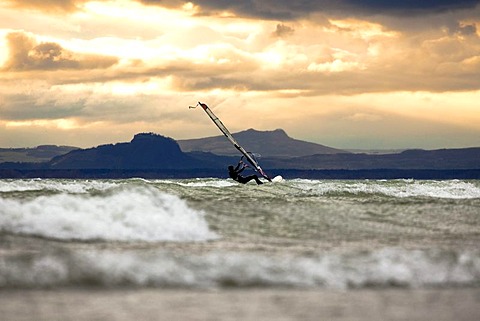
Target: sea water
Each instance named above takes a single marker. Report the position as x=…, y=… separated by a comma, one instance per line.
x=216, y=233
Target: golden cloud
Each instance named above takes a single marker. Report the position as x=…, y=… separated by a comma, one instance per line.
x=26, y=54
x=47, y=5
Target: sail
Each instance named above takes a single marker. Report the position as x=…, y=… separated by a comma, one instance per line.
x=229, y=136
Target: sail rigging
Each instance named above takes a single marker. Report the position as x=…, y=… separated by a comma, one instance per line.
x=230, y=137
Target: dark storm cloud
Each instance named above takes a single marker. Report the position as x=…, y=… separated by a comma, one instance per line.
x=287, y=9
x=410, y=6
x=25, y=54
x=281, y=9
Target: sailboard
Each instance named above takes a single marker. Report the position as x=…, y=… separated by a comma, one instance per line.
x=232, y=140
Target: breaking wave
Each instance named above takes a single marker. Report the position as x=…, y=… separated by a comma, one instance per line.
x=451, y=189
x=383, y=268
x=122, y=213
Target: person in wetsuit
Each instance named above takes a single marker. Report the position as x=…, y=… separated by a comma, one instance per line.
x=234, y=173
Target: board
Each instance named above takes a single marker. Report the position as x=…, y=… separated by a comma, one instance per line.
x=277, y=179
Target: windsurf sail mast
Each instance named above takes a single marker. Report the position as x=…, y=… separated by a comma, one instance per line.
x=229, y=136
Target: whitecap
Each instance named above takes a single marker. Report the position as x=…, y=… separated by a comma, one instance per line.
x=131, y=213
x=389, y=267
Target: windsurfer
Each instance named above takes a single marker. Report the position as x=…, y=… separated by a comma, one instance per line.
x=234, y=173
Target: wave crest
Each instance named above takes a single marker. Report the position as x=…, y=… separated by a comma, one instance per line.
x=383, y=268
x=135, y=213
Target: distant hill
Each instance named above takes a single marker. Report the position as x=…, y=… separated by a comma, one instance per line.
x=274, y=143
x=145, y=151
x=441, y=159
x=38, y=154
x=376, y=151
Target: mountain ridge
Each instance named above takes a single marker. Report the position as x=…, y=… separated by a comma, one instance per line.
x=144, y=151
x=275, y=143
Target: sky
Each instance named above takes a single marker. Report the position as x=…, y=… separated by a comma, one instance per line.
x=349, y=74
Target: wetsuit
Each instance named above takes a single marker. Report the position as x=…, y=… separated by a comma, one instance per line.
x=235, y=174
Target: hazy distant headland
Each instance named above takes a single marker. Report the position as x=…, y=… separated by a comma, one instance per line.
x=39, y=154
x=151, y=155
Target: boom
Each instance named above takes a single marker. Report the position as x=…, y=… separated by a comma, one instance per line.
x=229, y=136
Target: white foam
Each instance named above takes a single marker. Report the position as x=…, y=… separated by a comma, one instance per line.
x=70, y=186
x=128, y=213
x=382, y=268
x=453, y=189
x=208, y=183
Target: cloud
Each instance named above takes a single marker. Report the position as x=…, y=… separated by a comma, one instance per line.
x=463, y=29
x=47, y=5
x=40, y=101
x=25, y=54
x=283, y=31
x=278, y=9
x=287, y=9
x=408, y=7
x=345, y=57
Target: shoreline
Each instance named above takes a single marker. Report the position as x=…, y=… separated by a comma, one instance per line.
x=240, y=304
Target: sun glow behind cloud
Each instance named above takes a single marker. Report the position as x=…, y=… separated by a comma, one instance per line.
x=361, y=29
x=127, y=12
x=63, y=124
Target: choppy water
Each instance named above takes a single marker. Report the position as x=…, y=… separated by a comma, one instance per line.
x=215, y=233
